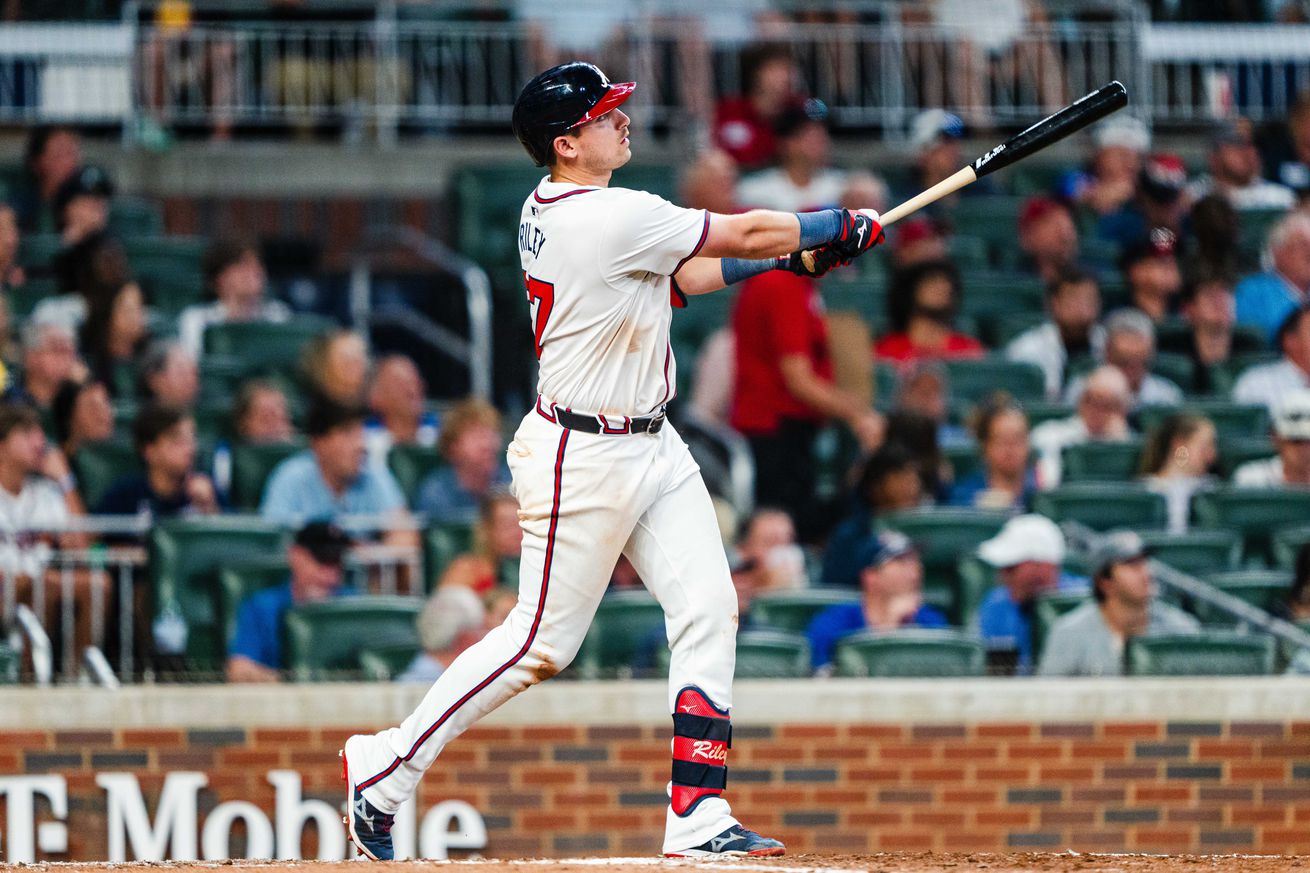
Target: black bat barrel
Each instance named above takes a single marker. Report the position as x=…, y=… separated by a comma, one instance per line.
x=1070, y=119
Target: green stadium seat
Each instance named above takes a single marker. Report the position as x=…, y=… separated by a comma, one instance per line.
x=24, y=299
x=1263, y=589
x=965, y=460
x=1002, y=330
x=1099, y=252
x=323, y=640
x=910, y=653
x=991, y=297
x=98, y=466
x=37, y=250
x=763, y=654
x=625, y=620
x=1041, y=411
x=1103, y=505
x=976, y=578
x=1253, y=228
x=992, y=218
x=385, y=663
x=169, y=269
x=221, y=378
x=1207, y=654
x=9, y=664
x=185, y=558
x=793, y=611
x=1236, y=451
x=134, y=217
x=968, y=252
x=1253, y=512
x=975, y=380
x=1176, y=368
x=239, y=580
x=1287, y=542
x=1047, y=611
x=1197, y=551
x=442, y=543
x=1102, y=461
x=252, y=464
x=265, y=345
x=942, y=536
x=1231, y=420
x=411, y=465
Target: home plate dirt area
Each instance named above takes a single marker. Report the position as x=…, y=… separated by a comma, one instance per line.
x=892, y=862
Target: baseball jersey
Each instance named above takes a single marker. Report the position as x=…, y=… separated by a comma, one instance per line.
x=597, y=262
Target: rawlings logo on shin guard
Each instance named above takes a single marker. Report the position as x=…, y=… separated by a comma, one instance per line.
x=702, y=735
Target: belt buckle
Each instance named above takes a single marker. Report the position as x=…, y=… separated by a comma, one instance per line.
x=656, y=422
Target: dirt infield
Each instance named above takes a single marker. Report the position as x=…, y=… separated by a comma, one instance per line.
x=899, y=862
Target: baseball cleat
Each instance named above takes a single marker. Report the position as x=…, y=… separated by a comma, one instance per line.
x=736, y=840
x=368, y=827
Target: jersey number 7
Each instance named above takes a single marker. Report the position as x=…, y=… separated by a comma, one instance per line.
x=541, y=298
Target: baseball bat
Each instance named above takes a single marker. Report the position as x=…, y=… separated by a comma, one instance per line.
x=1072, y=118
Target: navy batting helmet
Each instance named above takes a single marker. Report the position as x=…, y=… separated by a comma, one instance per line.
x=560, y=99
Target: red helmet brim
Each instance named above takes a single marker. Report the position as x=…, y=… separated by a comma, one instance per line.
x=615, y=96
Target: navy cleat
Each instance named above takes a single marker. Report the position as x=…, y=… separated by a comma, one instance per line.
x=736, y=840
x=368, y=827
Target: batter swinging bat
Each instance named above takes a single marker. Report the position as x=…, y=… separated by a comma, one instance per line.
x=1074, y=117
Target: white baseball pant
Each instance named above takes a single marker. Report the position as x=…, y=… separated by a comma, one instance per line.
x=584, y=499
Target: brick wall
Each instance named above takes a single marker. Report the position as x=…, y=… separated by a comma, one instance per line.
x=1157, y=786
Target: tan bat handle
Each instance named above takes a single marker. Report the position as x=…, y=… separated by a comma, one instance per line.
x=944, y=188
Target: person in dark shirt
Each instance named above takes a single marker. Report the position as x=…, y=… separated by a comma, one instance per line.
x=891, y=579
x=91, y=257
x=165, y=440
x=891, y=480
x=51, y=155
x=316, y=557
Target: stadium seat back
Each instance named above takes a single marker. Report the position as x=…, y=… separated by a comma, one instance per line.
x=793, y=611
x=1103, y=505
x=252, y=464
x=772, y=655
x=185, y=558
x=98, y=465
x=942, y=536
x=910, y=654
x=10, y=660
x=385, y=663
x=323, y=640
x=1195, y=552
x=239, y=580
x=1263, y=589
x=265, y=345
x=1102, y=461
x=625, y=621
x=411, y=465
x=974, y=380
x=1286, y=544
x=1231, y=420
x=1255, y=513
x=1236, y=451
x=443, y=543
x=1213, y=653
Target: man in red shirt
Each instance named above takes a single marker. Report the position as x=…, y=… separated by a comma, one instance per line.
x=784, y=389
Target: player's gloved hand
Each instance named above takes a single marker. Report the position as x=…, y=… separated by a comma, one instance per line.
x=811, y=263
x=861, y=230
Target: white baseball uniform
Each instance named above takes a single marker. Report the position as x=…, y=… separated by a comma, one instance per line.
x=597, y=263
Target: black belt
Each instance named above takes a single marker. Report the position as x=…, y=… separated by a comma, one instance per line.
x=598, y=424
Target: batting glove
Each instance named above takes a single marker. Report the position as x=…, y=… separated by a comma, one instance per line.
x=861, y=230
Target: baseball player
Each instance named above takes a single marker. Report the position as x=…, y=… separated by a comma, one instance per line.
x=597, y=469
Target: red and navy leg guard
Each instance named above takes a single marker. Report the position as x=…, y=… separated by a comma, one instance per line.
x=702, y=735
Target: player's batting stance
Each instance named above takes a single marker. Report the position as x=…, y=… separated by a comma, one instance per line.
x=597, y=469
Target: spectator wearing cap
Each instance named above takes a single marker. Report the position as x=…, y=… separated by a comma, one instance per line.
x=165, y=439
x=1267, y=384
x=91, y=257
x=934, y=140
x=1070, y=332
x=1291, y=467
x=921, y=308
x=891, y=480
x=803, y=179
x=1027, y=553
x=1048, y=237
x=1266, y=299
x=1151, y=272
x=891, y=585
x=1101, y=416
x=1160, y=202
x=234, y=274
x=396, y=398
x=1007, y=480
x=1110, y=179
x=453, y=619
x=169, y=375
x=474, y=449
x=51, y=155
x=784, y=390
x=1090, y=640
x=1235, y=172
x=1130, y=348
x=744, y=126
x=333, y=478
x=315, y=556
x=1286, y=156
x=1177, y=462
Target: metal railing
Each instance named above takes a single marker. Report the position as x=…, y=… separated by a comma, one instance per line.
x=875, y=64
x=90, y=599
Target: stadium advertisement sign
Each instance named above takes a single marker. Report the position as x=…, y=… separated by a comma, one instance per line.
x=177, y=833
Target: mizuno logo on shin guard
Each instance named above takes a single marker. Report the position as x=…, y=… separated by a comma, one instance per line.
x=702, y=735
